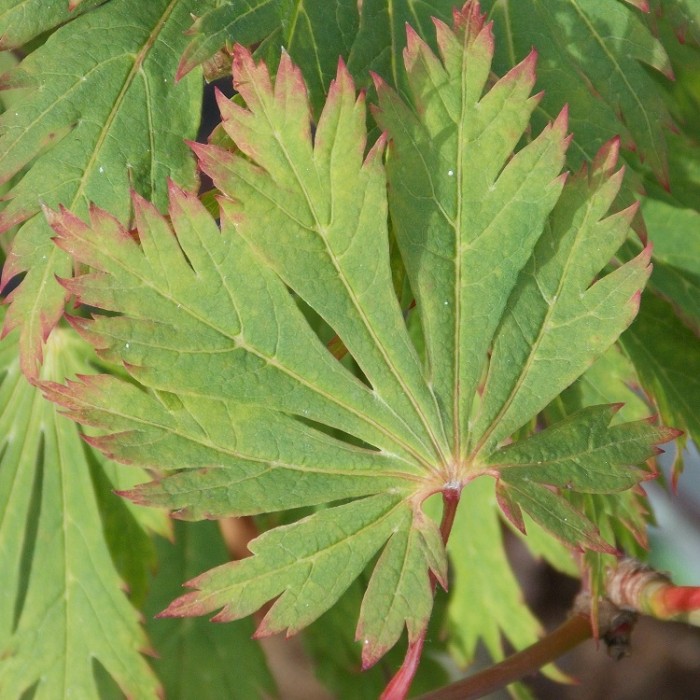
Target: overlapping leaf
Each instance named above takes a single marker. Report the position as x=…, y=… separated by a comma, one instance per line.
x=590, y=56
x=664, y=353
x=196, y=659
x=22, y=20
x=486, y=601
x=610, y=380
x=370, y=34
x=89, y=129
x=379, y=21
x=235, y=21
x=61, y=607
x=675, y=233
x=682, y=15
x=243, y=410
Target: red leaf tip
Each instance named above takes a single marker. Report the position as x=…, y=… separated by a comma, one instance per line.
x=377, y=80
x=470, y=17
x=561, y=122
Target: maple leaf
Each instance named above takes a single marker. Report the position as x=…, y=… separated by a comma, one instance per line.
x=65, y=612
x=676, y=257
x=243, y=410
x=88, y=130
x=370, y=52
x=683, y=16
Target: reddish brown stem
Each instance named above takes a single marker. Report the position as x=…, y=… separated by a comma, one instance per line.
x=400, y=684
x=568, y=635
x=450, y=501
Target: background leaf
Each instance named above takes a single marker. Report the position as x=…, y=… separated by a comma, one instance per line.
x=315, y=35
x=486, y=601
x=675, y=234
x=235, y=21
x=62, y=609
x=662, y=349
x=89, y=130
x=197, y=659
x=590, y=57
x=381, y=37
x=23, y=20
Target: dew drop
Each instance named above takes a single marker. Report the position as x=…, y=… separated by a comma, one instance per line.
x=450, y=173
x=101, y=169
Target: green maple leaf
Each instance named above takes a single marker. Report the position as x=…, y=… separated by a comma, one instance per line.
x=682, y=15
x=610, y=380
x=61, y=607
x=89, y=130
x=673, y=231
x=379, y=20
x=242, y=409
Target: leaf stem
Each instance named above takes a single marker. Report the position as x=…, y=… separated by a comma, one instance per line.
x=399, y=685
x=568, y=635
x=450, y=501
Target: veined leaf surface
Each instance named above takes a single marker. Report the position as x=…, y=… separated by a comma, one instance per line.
x=243, y=410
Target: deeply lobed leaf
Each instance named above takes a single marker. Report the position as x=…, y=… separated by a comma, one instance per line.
x=453, y=221
x=243, y=410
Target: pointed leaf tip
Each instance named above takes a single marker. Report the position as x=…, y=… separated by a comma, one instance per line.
x=510, y=509
x=606, y=159
x=561, y=123
x=469, y=16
